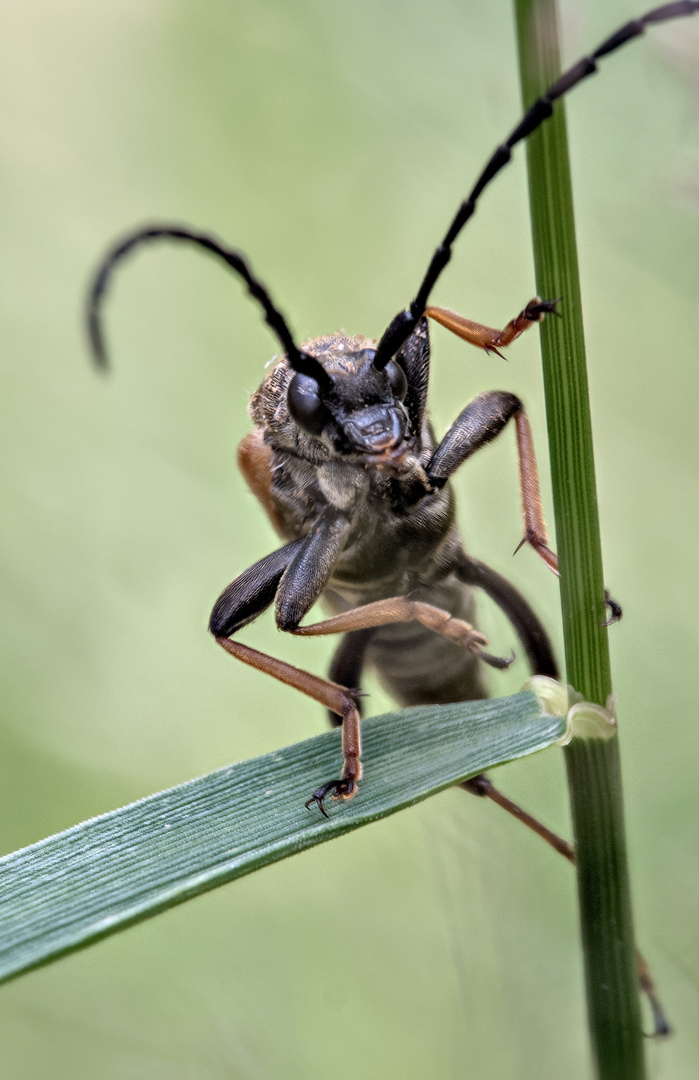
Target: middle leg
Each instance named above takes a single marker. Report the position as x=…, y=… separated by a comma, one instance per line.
x=401, y=609
x=348, y=663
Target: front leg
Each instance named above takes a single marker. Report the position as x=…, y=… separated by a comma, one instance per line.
x=358, y=625
x=294, y=577
x=487, y=337
x=478, y=424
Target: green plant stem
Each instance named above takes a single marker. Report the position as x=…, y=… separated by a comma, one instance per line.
x=593, y=766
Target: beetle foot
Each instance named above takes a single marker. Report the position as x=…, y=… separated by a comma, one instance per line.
x=343, y=788
x=501, y=663
x=536, y=311
x=615, y=610
x=478, y=785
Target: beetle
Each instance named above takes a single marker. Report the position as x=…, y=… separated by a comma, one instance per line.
x=347, y=465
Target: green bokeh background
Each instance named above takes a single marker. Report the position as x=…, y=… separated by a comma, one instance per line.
x=331, y=142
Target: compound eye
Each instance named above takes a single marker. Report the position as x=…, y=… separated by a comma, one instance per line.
x=397, y=379
x=304, y=404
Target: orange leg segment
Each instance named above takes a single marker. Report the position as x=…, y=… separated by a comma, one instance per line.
x=398, y=609
x=481, y=785
x=341, y=700
x=534, y=524
x=486, y=337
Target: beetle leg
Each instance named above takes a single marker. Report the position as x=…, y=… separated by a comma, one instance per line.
x=481, y=785
x=525, y=621
x=532, y=512
x=615, y=609
x=252, y=592
x=307, y=574
x=358, y=624
x=486, y=337
x=342, y=702
x=399, y=609
x=348, y=662
x=477, y=425
x=294, y=578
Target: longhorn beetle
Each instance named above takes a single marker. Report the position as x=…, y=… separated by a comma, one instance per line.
x=347, y=465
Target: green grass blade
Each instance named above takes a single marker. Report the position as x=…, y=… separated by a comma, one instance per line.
x=115, y=870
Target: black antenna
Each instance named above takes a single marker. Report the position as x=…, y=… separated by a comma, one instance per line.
x=405, y=321
x=300, y=361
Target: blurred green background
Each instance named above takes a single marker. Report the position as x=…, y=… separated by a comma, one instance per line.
x=331, y=142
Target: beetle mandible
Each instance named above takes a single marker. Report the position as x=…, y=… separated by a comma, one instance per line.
x=347, y=466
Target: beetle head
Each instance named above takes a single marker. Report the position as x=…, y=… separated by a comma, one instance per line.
x=348, y=408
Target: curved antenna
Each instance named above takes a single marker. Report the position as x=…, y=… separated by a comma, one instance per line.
x=405, y=322
x=300, y=361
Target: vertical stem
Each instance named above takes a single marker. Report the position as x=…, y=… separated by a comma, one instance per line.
x=593, y=766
